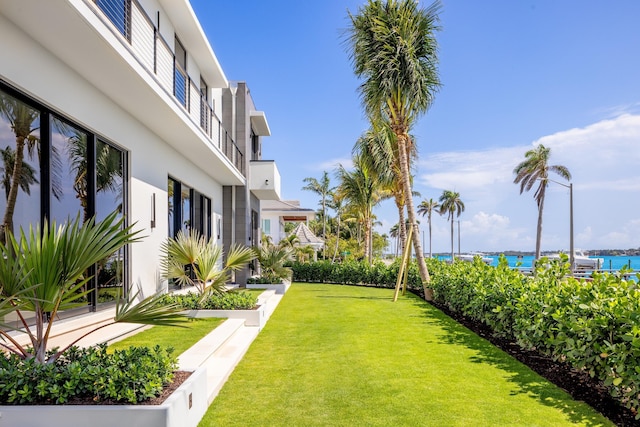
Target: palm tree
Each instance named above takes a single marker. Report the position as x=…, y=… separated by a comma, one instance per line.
x=394, y=50
x=426, y=207
x=535, y=169
x=452, y=205
x=379, y=150
x=22, y=120
x=364, y=191
x=336, y=203
x=322, y=188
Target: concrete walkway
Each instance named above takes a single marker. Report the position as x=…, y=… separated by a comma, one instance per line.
x=219, y=352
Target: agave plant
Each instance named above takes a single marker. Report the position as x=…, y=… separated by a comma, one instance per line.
x=45, y=271
x=191, y=260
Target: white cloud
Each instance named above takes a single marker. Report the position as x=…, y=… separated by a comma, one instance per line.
x=603, y=159
x=332, y=164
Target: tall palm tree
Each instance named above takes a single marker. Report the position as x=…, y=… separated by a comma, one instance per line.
x=426, y=207
x=322, y=188
x=364, y=191
x=452, y=205
x=336, y=203
x=24, y=122
x=393, y=49
x=535, y=170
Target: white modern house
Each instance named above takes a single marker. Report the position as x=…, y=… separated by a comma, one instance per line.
x=122, y=105
x=275, y=213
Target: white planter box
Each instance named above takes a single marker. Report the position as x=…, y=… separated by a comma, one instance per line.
x=184, y=408
x=255, y=317
x=280, y=288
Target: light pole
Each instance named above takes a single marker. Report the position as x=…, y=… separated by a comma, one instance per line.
x=572, y=255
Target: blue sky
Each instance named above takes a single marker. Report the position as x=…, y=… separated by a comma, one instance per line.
x=514, y=73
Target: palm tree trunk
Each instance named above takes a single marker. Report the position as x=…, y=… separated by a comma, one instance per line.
x=335, y=252
x=406, y=183
x=539, y=228
x=402, y=226
x=452, y=255
x=429, y=220
x=7, y=222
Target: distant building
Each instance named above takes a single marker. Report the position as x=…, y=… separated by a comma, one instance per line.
x=126, y=108
x=275, y=213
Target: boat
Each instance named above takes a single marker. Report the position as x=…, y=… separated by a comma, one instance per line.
x=582, y=261
x=471, y=256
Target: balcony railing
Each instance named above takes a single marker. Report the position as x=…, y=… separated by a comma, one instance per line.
x=143, y=39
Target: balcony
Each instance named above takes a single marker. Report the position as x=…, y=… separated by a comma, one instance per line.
x=264, y=179
x=132, y=64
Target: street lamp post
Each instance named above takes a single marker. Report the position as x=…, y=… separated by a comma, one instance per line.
x=572, y=255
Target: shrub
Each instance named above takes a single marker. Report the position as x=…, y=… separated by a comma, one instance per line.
x=231, y=300
x=132, y=375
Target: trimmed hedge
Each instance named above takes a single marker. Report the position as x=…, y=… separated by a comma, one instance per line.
x=131, y=375
x=230, y=300
x=355, y=273
x=594, y=325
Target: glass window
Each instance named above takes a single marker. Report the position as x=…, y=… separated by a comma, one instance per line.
x=20, y=167
x=266, y=226
x=180, y=79
x=172, y=214
x=110, y=197
x=68, y=172
x=185, y=211
x=118, y=13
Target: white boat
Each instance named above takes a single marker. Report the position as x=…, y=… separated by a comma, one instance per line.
x=471, y=256
x=582, y=261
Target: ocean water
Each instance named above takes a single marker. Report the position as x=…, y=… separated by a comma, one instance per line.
x=612, y=263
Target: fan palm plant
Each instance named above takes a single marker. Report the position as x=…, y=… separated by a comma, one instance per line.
x=44, y=272
x=426, y=207
x=272, y=261
x=191, y=260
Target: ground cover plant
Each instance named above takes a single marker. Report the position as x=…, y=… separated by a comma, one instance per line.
x=345, y=355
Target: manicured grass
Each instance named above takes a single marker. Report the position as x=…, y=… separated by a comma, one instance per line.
x=348, y=356
x=170, y=336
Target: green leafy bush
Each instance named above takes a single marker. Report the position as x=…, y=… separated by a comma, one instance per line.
x=264, y=280
x=132, y=375
x=353, y=272
x=594, y=325
x=231, y=300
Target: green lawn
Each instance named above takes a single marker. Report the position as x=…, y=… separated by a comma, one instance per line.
x=170, y=336
x=347, y=356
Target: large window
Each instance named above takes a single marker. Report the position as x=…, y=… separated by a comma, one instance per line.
x=180, y=74
x=188, y=209
x=53, y=169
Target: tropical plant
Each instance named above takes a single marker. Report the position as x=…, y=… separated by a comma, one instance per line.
x=336, y=203
x=535, y=170
x=272, y=261
x=451, y=205
x=323, y=189
x=394, y=50
x=362, y=190
x=191, y=260
x=426, y=207
x=44, y=271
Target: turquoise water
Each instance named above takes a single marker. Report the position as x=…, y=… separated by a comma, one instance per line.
x=614, y=263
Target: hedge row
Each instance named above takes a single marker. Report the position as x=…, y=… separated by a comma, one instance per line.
x=354, y=273
x=592, y=325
